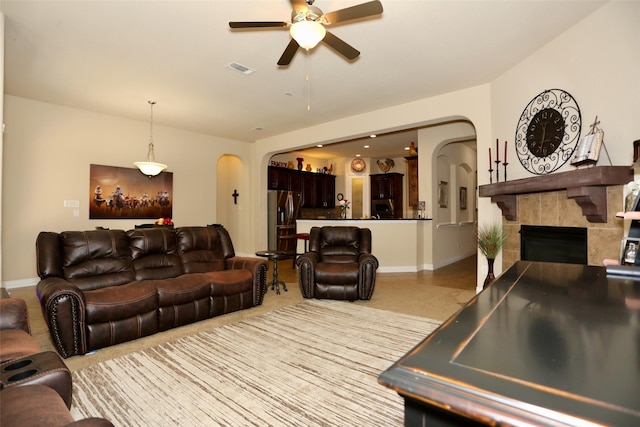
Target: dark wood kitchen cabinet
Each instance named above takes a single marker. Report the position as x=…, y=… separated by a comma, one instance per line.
x=386, y=186
x=326, y=191
x=284, y=179
x=318, y=190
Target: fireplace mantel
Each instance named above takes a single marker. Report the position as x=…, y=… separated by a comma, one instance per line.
x=588, y=186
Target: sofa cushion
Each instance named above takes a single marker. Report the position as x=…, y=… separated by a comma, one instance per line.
x=229, y=282
x=339, y=244
x=154, y=253
x=200, y=249
x=16, y=343
x=95, y=259
x=183, y=289
x=336, y=273
x=121, y=302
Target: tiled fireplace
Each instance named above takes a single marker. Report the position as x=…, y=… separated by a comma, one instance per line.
x=588, y=198
x=555, y=209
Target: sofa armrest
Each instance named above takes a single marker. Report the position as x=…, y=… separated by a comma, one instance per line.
x=14, y=314
x=306, y=273
x=257, y=267
x=63, y=307
x=367, y=264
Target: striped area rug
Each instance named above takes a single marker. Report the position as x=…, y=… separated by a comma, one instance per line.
x=315, y=363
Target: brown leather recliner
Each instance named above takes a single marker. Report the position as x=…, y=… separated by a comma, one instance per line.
x=339, y=264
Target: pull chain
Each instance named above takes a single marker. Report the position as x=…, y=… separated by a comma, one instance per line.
x=308, y=79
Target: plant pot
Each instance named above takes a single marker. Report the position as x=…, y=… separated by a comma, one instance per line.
x=490, y=276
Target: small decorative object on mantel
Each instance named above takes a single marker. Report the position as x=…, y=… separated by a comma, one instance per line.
x=412, y=149
x=490, y=240
x=588, y=148
x=300, y=160
x=548, y=131
x=309, y=168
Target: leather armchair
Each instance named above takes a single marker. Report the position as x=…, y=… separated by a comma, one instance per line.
x=339, y=264
x=15, y=335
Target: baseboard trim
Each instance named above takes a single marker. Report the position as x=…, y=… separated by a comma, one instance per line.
x=21, y=283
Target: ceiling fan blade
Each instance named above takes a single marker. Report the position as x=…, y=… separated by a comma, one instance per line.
x=288, y=53
x=342, y=47
x=262, y=24
x=355, y=12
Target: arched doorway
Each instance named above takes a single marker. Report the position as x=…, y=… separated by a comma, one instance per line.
x=229, y=183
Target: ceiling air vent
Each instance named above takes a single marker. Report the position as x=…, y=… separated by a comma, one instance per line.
x=241, y=68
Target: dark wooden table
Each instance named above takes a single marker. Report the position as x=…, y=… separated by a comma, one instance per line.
x=545, y=344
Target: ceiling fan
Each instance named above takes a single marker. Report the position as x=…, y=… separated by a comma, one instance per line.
x=307, y=27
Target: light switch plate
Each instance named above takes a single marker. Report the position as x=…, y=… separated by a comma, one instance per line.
x=72, y=203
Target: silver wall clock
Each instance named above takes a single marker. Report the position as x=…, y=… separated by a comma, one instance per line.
x=548, y=131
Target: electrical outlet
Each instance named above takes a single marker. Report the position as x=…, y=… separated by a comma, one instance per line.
x=76, y=212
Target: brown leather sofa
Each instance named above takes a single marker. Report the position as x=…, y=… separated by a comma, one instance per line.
x=338, y=265
x=35, y=386
x=104, y=287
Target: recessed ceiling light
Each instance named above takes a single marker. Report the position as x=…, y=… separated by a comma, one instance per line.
x=406, y=148
x=319, y=145
x=288, y=93
x=241, y=68
x=258, y=129
x=372, y=136
x=366, y=146
x=357, y=155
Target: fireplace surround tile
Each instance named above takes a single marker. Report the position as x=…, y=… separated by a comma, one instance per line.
x=553, y=208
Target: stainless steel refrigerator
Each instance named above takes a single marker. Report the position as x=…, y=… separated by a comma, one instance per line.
x=284, y=209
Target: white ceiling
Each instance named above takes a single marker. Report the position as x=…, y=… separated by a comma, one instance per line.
x=112, y=56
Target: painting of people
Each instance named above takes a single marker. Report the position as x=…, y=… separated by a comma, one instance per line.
x=118, y=193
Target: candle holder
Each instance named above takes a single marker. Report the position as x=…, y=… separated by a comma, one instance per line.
x=490, y=176
x=505, y=171
x=497, y=162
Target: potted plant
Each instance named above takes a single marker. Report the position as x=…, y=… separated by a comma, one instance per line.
x=490, y=239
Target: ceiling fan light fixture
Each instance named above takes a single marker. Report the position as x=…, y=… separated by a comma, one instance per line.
x=150, y=167
x=308, y=33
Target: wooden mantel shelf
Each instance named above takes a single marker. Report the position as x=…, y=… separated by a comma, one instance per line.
x=588, y=186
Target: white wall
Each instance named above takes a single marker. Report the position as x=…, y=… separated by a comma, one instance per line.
x=50, y=149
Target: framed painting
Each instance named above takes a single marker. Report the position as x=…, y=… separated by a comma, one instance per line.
x=125, y=193
x=463, y=197
x=443, y=194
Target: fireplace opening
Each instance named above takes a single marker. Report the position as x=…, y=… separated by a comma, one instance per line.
x=553, y=244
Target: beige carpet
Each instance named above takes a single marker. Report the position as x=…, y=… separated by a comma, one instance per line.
x=315, y=363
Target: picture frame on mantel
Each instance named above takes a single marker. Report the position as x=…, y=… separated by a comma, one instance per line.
x=629, y=250
x=443, y=194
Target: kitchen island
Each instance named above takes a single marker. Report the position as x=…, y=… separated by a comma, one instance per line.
x=401, y=245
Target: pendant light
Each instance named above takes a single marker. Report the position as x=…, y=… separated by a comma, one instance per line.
x=150, y=167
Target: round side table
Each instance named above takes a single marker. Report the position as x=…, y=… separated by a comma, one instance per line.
x=274, y=256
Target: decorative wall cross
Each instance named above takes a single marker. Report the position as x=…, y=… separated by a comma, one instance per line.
x=235, y=197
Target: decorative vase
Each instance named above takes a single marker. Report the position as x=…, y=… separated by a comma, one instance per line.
x=309, y=167
x=490, y=276
x=343, y=214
